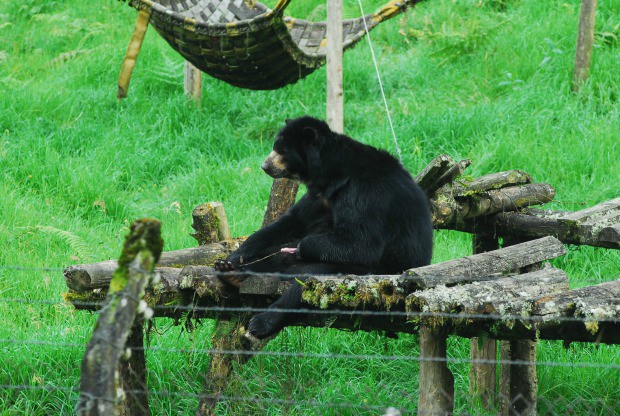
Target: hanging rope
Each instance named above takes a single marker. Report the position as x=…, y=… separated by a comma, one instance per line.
x=385, y=103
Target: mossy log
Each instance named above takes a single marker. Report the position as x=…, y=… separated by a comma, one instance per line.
x=427, y=179
x=596, y=310
x=598, y=226
x=211, y=223
x=491, y=181
x=456, y=211
x=99, y=393
x=84, y=277
x=498, y=297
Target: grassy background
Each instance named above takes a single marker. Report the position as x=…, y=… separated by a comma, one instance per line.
x=488, y=80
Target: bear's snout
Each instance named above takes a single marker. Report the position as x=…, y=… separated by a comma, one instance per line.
x=274, y=165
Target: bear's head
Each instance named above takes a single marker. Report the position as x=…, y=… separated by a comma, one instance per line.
x=296, y=151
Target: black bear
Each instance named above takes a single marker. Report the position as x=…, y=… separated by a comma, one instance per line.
x=362, y=214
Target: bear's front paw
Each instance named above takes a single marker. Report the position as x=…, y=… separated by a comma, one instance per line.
x=265, y=324
x=224, y=266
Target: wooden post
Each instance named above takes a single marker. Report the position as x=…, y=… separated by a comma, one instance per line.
x=518, y=382
x=335, y=99
x=132, y=374
x=585, y=41
x=283, y=193
x=210, y=223
x=482, y=376
x=192, y=82
x=99, y=389
x=436, y=382
x=133, y=50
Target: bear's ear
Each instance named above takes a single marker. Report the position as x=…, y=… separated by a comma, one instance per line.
x=310, y=134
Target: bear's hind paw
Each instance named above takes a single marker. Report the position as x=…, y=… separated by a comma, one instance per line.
x=265, y=324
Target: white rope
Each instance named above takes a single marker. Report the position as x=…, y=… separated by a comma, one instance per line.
x=374, y=60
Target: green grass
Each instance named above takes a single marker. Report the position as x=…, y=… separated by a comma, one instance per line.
x=488, y=80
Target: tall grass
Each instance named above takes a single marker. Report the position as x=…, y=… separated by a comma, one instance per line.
x=488, y=80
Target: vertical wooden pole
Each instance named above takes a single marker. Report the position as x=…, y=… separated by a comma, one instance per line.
x=192, y=82
x=283, y=193
x=518, y=381
x=132, y=375
x=482, y=381
x=335, y=96
x=585, y=41
x=436, y=385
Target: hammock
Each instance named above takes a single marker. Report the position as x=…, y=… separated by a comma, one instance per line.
x=243, y=42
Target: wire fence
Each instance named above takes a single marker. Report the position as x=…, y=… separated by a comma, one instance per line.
x=302, y=371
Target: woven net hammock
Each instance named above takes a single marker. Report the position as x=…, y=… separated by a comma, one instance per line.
x=243, y=42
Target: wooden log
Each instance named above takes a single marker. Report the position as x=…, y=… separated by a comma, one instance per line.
x=192, y=82
x=451, y=212
x=518, y=381
x=210, y=223
x=522, y=320
x=132, y=375
x=432, y=172
x=98, y=388
x=483, y=351
x=502, y=296
x=506, y=260
x=597, y=226
x=85, y=277
x=451, y=174
x=585, y=42
x=597, y=309
x=436, y=382
x=281, y=198
x=492, y=181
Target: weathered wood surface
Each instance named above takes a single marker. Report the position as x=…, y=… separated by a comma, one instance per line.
x=491, y=181
x=281, y=198
x=598, y=226
x=483, y=350
x=451, y=174
x=585, y=42
x=450, y=211
x=98, y=385
x=436, y=382
x=595, y=313
x=210, y=222
x=432, y=172
x=518, y=389
x=506, y=260
x=83, y=277
x=132, y=376
x=192, y=82
x=499, y=297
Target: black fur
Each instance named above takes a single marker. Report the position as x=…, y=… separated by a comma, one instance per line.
x=362, y=214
